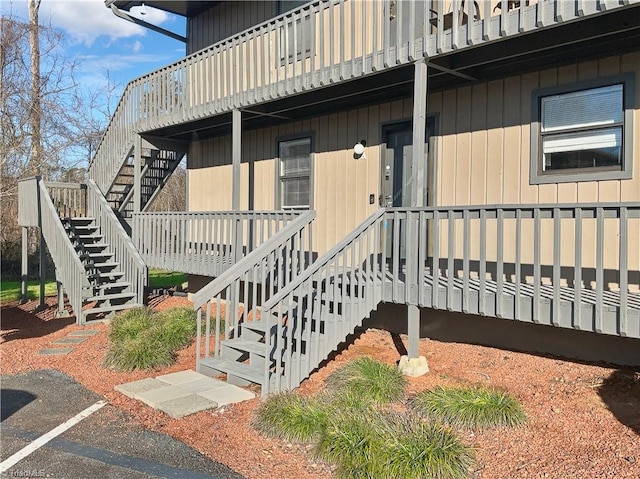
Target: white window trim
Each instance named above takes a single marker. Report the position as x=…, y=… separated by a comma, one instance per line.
x=538, y=176
x=279, y=177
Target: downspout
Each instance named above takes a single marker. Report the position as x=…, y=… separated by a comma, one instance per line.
x=119, y=13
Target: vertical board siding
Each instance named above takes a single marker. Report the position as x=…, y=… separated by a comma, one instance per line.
x=483, y=155
x=342, y=184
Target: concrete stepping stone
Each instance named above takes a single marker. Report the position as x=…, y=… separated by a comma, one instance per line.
x=137, y=387
x=55, y=351
x=84, y=332
x=70, y=341
x=185, y=392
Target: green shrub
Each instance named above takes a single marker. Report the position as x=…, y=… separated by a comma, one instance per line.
x=141, y=352
x=176, y=327
x=290, y=416
x=130, y=323
x=366, y=377
x=474, y=408
x=143, y=339
x=414, y=449
x=377, y=445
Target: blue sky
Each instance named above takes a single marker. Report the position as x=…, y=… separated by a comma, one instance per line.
x=107, y=48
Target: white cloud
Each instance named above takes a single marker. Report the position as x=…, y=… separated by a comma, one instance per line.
x=137, y=46
x=117, y=62
x=86, y=20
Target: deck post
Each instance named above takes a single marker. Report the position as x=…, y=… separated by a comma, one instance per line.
x=42, y=270
x=137, y=172
x=24, y=273
x=413, y=364
x=236, y=153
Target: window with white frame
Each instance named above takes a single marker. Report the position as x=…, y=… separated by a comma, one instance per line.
x=295, y=173
x=581, y=134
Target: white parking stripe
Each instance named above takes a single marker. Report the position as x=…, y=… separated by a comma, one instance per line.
x=45, y=438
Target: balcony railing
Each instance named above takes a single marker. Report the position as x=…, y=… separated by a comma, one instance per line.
x=205, y=243
x=320, y=43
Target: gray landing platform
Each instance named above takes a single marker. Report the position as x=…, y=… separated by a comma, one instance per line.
x=183, y=393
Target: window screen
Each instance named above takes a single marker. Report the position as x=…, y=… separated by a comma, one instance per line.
x=295, y=173
x=582, y=129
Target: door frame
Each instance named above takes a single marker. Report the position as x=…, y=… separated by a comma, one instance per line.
x=431, y=167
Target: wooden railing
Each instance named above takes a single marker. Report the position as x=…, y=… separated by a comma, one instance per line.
x=205, y=243
x=237, y=294
x=70, y=199
x=39, y=210
x=572, y=262
x=320, y=43
x=568, y=265
x=125, y=253
x=337, y=292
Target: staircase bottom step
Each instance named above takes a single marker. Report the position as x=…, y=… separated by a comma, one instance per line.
x=109, y=309
x=211, y=366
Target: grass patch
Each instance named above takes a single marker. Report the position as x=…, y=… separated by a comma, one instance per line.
x=144, y=339
x=10, y=290
x=291, y=417
x=474, y=408
x=367, y=378
x=160, y=278
x=393, y=445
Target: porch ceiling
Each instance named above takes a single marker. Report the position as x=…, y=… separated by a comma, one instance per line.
x=612, y=33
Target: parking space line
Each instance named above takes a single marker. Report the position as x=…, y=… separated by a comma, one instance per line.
x=45, y=438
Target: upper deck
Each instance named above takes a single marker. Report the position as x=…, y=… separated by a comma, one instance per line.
x=328, y=43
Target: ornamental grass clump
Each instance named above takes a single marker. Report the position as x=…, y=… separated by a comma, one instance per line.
x=144, y=339
x=374, y=444
x=367, y=378
x=473, y=408
x=290, y=416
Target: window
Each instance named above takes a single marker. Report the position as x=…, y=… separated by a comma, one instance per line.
x=295, y=173
x=583, y=134
x=297, y=34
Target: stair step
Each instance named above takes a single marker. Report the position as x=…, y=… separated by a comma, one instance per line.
x=110, y=274
x=117, y=285
x=108, y=296
x=234, y=368
x=79, y=220
x=109, y=309
x=102, y=265
x=256, y=325
x=83, y=237
x=100, y=254
x=246, y=346
x=95, y=245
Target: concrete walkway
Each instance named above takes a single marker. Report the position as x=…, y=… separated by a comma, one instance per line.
x=183, y=393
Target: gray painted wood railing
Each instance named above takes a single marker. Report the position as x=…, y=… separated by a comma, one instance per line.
x=205, y=243
x=125, y=253
x=338, y=290
x=568, y=265
x=236, y=295
x=266, y=62
x=69, y=269
x=70, y=199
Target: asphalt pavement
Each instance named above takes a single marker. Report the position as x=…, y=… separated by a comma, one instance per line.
x=107, y=444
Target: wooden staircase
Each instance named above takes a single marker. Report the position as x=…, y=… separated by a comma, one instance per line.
x=108, y=292
x=157, y=167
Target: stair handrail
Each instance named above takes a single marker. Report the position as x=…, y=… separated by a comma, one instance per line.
x=229, y=282
x=325, y=258
x=134, y=268
x=301, y=288
x=69, y=269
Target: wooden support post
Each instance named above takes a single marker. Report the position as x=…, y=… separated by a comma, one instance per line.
x=42, y=270
x=24, y=274
x=137, y=173
x=61, y=313
x=236, y=154
x=413, y=331
x=419, y=134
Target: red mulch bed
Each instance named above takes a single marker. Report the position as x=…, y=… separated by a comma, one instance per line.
x=584, y=420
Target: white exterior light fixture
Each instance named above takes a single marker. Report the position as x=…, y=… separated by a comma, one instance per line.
x=358, y=150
